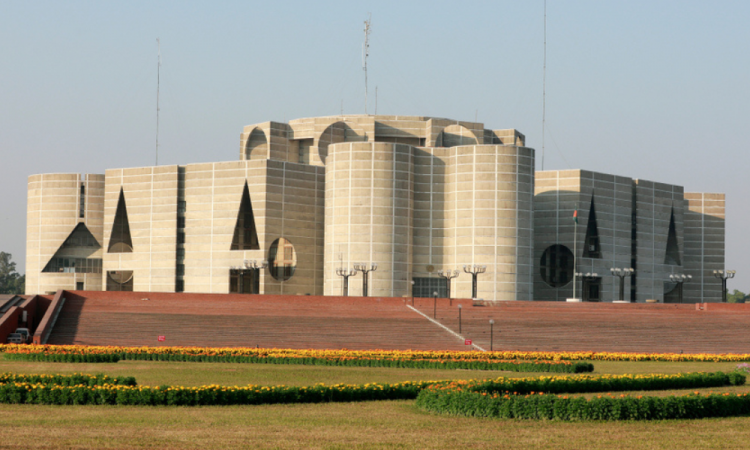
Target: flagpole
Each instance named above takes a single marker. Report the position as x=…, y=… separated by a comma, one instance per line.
x=575, y=251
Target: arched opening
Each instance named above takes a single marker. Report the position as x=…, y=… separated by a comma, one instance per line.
x=333, y=134
x=120, y=280
x=455, y=135
x=556, y=265
x=256, y=146
x=282, y=259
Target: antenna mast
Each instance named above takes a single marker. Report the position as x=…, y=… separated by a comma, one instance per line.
x=366, y=53
x=544, y=83
x=158, y=73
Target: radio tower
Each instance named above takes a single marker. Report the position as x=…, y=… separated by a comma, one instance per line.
x=158, y=73
x=366, y=53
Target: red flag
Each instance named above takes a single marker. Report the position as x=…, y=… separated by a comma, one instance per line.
x=575, y=215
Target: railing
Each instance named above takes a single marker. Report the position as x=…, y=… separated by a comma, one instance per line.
x=50, y=317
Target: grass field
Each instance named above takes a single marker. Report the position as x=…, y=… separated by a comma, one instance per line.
x=389, y=424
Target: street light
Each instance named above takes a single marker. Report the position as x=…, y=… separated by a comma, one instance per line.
x=680, y=278
x=412, y=292
x=724, y=276
x=448, y=275
x=588, y=276
x=345, y=273
x=492, y=324
x=459, y=319
x=474, y=271
x=361, y=267
x=622, y=273
x=434, y=305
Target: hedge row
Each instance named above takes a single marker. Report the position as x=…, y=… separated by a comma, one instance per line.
x=66, y=380
x=606, y=407
x=204, y=395
x=513, y=366
x=384, y=354
x=604, y=383
x=539, y=398
x=64, y=357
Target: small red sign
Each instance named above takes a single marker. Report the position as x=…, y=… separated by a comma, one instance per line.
x=467, y=342
x=162, y=338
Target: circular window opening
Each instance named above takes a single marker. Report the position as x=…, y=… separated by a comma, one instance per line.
x=556, y=266
x=282, y=259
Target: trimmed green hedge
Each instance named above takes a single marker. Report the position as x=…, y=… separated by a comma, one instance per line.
x=607, y=407
x=540, y=398
x=511, y=366
x=64, y=357
x=66, y=380
x=204, y=395
x=606, y=383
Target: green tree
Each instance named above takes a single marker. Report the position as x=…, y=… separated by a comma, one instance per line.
x=737, y=297
x=11, y=282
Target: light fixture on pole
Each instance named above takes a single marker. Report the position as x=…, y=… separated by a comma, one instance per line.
x=434, y=305
x=724, y=275
x=365, y=269
x=474, y=271
x=492, y=325
x=345, y=273
x=622, y=273
x=680, y=278
x=459, y=319
x=412, y=292
x=448, y=275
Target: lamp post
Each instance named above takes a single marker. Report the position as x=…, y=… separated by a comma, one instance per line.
x=412, y=292
x=459, y=319
x=448, y=275
x=345, y=273
x=622, y=273
x=361, y=267
x=588, y=276
x=492, y=324
x=474, y=271
x=680, y=278
x=724, y=275
x=434, y=305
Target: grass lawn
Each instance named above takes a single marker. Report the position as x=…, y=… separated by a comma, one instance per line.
x=390, y=424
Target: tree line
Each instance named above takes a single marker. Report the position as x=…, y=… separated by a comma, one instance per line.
x=11, y=282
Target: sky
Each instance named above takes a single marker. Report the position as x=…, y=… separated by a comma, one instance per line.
x=643, y=89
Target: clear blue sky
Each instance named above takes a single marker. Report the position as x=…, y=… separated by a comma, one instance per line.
x=651, y=90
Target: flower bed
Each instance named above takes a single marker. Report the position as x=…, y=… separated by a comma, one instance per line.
x=37, y=393
x=159, y=352
x=66, y=380
x=540, y=398
x=420, y=360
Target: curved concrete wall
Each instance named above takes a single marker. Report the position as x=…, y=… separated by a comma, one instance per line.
x=368, y=219
x=473, y=206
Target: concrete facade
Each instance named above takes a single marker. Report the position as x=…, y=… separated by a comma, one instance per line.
x=651, y=227
x=414, y=195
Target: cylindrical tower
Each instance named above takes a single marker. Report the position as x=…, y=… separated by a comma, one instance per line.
x=64, y=228
x=368, y=217
x=490, y=192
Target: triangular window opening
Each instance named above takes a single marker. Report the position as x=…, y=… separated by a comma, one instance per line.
x=672, y=255
x=120, y=240
x=245, y=234
x=73, y=256
x=591, y=246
